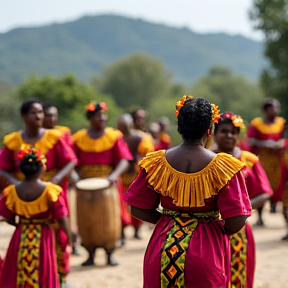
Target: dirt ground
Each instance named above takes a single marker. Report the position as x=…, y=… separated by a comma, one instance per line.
x=272, y=258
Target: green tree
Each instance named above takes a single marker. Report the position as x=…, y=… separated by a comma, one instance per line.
x=9, y=111
x=230, y=92
x=69, y=95
x=271, y=17
x=135, y=79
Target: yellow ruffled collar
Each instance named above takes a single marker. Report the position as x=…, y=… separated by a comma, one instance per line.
x=189, y=189
x=15, y=142
x=28, y=209
x=84, y=142
x=264, y=128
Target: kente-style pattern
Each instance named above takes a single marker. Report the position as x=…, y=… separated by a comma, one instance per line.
x=238, y=243
x=176, y=244
x=28, y=256
x=90, y=171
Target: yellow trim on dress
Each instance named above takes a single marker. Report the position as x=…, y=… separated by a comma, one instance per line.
x=145, y=146
x=164, y=137
x=264, y=128
x=189, y=189
x=84, y=142
x=39, y=205
x=248, y=158
x=15, y=142
x=63, y=129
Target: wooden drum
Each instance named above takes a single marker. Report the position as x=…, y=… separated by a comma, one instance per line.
x=98, y=213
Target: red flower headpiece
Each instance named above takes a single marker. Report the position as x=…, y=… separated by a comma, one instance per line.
x=180, y=104
x=237, y=120
x=93, y=106
x=32, y=154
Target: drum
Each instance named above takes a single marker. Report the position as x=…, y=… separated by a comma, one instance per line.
x=98, y=213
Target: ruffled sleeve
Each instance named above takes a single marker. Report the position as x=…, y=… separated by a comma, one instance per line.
x=120, y=151
x=6, y=159
x=141, y=195
x=257, y=181
x=58, y=205
x=233, y=200
x=189, y=189
x=64, y=152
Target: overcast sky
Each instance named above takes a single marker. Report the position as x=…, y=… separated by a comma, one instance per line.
x=230, y=16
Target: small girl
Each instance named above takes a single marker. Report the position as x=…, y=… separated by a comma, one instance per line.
x=31, y=256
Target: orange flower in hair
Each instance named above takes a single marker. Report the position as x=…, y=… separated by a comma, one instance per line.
x=215, y=113
x=180, y=104
x=237, y=120
x=91, y=107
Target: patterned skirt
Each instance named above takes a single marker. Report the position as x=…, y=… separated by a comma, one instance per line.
x=187, y=250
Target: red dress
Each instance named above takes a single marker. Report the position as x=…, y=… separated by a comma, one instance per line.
x=30, y=259
x=98, y=158
x=270, y=158
x=188, y=247
x=58, y=153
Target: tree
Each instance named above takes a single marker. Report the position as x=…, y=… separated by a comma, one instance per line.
x=230, y=92
x=9, y=111
x=271, y=17
x=69, y=95
x=135, y=79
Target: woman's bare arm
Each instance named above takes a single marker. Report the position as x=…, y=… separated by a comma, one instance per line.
x=151, y=216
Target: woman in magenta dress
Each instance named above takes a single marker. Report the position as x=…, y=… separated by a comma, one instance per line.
x=265, y=139
x=101, y=152
x=31, y=260
x=190, y=246
x=242, y=243
x=61, y=159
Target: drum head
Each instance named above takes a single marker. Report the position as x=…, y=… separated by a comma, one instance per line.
x=93, y=184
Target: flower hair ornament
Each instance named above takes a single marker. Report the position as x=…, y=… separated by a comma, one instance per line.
x=180, y=104
x=94, y=106
x=32, y=154
x=215, y=114
x=237, y=120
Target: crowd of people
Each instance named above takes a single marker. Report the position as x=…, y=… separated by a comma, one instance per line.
x=198, y=194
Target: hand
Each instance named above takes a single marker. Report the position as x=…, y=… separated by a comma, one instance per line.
x=112, y=179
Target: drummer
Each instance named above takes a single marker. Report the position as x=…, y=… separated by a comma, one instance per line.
x=101, y=152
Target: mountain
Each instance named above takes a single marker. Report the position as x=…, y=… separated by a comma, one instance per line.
x=84, y=46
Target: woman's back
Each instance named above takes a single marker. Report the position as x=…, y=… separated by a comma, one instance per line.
x=33, y=237
x=189, y=247
x=189, y=159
